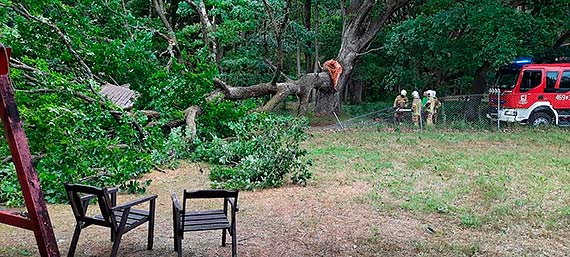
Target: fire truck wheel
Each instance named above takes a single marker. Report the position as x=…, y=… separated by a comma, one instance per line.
x=540, y=119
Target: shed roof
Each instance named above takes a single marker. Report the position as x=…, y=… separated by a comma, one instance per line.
x=121, y=96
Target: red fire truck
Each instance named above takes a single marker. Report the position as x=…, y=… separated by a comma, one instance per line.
x=535, y=94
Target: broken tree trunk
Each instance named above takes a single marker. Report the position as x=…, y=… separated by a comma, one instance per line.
x=300, y=88
x=361, y=23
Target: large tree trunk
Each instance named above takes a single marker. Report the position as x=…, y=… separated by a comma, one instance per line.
x=355, y=92
x=300, y=88
x=329, y=99
x=361, y=23
x=477, y=88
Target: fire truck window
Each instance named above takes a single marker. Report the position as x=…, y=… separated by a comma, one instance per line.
x=551, y=78
x=530, y=80
x=565, y=82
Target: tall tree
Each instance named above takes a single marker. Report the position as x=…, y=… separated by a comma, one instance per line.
x=307, y=10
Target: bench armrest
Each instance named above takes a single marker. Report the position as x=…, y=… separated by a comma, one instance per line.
x=233, y=204
x=135, y=202
x=113, y=193
x=176, y=203
x=87, y=198
x=113, y=190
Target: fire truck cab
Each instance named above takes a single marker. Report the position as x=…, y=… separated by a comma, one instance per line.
x=535, y=94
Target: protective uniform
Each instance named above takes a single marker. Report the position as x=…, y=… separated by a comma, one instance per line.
x=425, y=97
x=416, y=108
x=400, y=103
x=433, y=105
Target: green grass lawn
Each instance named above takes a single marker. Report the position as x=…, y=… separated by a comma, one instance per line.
x=475, y=180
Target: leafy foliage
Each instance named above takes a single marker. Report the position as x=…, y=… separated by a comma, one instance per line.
x=91, y=141
x=264, y=150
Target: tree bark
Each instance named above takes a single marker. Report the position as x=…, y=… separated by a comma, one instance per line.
x=316, y=63
x=300, y=88
x=361, y=23
x=307, y=20
x=208, y=26
x=477, y=88
x=355, y=93
x=190, y=119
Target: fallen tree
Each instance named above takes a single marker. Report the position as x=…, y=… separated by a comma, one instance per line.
x=362, y=20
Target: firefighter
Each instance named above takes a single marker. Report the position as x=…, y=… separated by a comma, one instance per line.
x=400, y=103
x=425, y=97
x=432, y=105
x=416, y=108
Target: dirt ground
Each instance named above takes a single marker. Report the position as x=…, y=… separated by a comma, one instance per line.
x=329, y=217
x=317, y=220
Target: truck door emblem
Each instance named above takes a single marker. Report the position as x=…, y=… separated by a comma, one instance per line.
x=523, y=100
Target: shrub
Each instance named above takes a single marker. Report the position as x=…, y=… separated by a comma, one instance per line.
x=264, y=152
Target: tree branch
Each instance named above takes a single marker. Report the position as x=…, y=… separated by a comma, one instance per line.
x=190, y=119
x=35, y=158
x=62, y=91
x=380, y=21
x=287, y=78
x=24, y=12
x=269, y=12
x=560, y=41
x=369, y=51
x=172, y=41
x=17, y=64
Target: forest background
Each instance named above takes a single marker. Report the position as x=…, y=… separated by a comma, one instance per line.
x=209, y=74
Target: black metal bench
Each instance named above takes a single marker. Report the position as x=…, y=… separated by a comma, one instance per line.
x=186, y=221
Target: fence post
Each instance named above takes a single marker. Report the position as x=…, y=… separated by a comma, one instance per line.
x=498, y=109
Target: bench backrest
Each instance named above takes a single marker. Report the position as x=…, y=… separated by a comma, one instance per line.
x=79, y=198
x=212, y=193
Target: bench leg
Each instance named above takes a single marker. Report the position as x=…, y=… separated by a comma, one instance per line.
x=175, y=241
x=234, y=241
x=178, y=243
x=74, y=241
x=224, y=237
x=151, y=226
x=118, y=237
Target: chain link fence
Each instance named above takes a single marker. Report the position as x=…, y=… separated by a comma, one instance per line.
x=455, y=112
